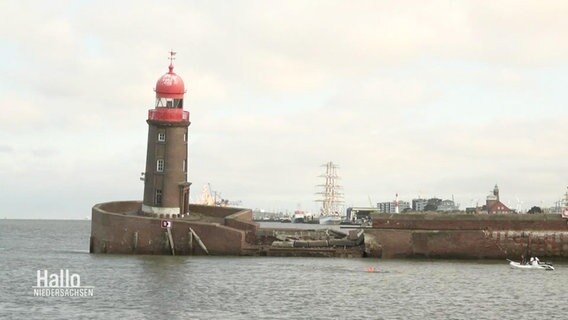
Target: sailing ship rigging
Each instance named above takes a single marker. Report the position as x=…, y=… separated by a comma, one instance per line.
x=331, y=197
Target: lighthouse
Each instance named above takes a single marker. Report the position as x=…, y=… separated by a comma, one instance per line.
x=166, y=190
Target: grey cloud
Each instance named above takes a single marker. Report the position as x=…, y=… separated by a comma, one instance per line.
x=287, y=86
x=7, y=149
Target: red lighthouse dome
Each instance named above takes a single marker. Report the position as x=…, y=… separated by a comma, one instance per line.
x=169, y=98
x=170, y=85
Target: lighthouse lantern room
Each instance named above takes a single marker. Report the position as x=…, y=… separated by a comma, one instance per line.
x=166, y=190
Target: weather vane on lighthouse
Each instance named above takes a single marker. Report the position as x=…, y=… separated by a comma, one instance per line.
x=172, y=58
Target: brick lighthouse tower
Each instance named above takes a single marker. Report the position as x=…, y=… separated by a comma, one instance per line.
x=166, y=190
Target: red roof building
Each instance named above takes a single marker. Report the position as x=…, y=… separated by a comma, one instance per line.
x=498, y=208
x=493, y=205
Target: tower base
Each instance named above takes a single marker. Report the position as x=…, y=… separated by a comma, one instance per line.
x=118, y=227
x=159, y=210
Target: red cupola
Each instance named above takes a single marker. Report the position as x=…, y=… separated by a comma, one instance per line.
x=170, y=85
x=170, y=90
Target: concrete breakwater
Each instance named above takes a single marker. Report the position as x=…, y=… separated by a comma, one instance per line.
x=122, y=228
x=467, y=236
x=309, y=242
x=119, y=227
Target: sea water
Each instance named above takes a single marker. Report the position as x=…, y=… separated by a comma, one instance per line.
x=166, y=287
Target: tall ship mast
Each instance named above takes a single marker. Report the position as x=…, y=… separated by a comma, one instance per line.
x=331, y=197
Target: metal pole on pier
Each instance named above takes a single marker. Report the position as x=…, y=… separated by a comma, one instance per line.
x=171, y=240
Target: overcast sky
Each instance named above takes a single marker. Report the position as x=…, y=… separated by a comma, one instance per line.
x=437, y=98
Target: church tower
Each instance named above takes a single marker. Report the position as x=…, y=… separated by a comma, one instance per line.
x=496, y=192
x=166, y=190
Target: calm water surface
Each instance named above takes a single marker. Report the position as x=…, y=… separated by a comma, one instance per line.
x=152, y=287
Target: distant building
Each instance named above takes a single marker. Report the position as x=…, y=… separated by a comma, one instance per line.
x=390, y=207
x=448, y=206
x=356, y=213
x=419, y=204
x=471, y=210
x=435, y=205
x=498, y=208
x=493, y=204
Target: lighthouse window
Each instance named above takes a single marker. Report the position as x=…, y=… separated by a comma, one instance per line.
x=185, y=136
x=159, y=196
x=161, y=136
x=184, y=165
x=160, y=165
x=165, y=102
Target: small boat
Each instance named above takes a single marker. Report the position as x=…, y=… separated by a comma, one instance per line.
x=299, y=216
x=330, y=219
x=537, y=266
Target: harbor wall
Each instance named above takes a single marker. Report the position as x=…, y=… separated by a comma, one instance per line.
x=437, y=221
x=117, y=228
x=120, y=228
x=467, y=236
